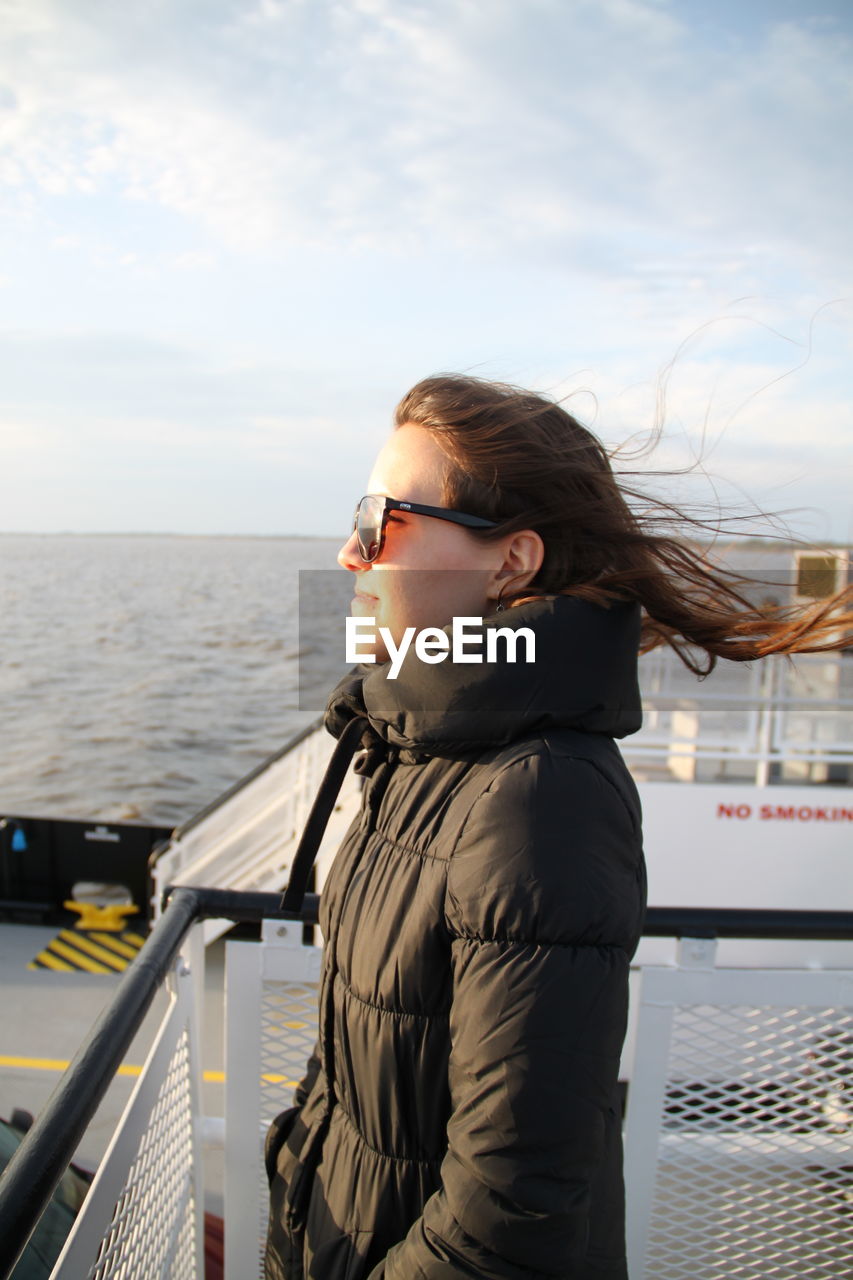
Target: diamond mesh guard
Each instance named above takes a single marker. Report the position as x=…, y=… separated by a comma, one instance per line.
x=152, y=1229
x=288, y=1035
x=755, y=1164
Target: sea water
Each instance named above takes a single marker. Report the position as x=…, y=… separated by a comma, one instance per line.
x=142, y=675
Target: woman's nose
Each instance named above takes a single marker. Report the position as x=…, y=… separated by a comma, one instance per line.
x=349, y=556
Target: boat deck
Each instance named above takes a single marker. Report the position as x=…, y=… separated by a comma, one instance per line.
x=47, y=1016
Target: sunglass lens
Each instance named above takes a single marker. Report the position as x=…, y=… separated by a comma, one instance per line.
x=368, y=527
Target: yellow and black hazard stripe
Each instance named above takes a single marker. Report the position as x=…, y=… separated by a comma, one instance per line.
x=91, y=950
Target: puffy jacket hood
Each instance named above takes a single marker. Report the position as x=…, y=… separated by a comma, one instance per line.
x=584, y=677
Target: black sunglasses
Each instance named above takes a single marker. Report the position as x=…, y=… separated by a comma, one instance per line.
x=371, y=517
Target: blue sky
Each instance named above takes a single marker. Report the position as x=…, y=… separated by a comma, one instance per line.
x=234, y=232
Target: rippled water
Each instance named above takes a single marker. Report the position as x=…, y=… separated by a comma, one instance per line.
x=141, y=676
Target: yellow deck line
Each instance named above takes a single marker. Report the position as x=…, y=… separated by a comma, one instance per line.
x=33, y=1064
x=79, y=960
x=126, y=1069
x=84, y=943
x=134, y=938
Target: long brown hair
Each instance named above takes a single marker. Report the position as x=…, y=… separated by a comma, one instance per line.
x=522, y=460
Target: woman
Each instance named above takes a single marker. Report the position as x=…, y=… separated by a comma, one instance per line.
x=460, y=1116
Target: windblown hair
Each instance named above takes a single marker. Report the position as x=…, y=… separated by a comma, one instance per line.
x=522, y=460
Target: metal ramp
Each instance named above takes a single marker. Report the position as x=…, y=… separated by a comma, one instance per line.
x=245, y=841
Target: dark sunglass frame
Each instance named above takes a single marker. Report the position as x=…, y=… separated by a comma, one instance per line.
x=416, y=508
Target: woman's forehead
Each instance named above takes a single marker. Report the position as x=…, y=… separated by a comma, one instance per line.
x=410, y=465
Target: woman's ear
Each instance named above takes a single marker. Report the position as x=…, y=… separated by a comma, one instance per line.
x=521, y=559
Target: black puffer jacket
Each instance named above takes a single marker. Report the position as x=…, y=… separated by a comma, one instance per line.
x=461, y=1116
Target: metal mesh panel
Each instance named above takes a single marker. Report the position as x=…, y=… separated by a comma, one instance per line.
x=288, y=1035
x=755, y=1164
x=152, y=1230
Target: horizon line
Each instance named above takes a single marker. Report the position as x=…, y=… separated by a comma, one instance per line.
x=158, y=533
x=770, y=541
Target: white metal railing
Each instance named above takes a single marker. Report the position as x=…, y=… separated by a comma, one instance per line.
x=737, y=1146
x=774, y=709
x=738, y=1127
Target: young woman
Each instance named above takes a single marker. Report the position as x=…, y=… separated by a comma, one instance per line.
x=460, y=1116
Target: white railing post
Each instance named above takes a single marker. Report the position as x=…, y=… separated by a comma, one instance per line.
x=243, y=980
x=766, y=721
x=271, y=1028
x=642, y=1125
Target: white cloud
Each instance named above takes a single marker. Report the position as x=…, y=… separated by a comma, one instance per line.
x=248, y=194
x=508, y=126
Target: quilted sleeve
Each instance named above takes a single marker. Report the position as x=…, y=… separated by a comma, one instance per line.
x=544, y=904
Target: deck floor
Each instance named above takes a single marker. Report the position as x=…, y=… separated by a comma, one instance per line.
x=46, y=1016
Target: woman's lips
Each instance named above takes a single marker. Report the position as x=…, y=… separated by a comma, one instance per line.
x=362, y=604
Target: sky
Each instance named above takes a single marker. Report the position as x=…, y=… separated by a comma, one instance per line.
x=234, y=232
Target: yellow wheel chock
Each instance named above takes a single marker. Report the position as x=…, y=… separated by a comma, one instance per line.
x=108, y=919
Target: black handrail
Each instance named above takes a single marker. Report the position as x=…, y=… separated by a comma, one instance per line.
x=46, y=1151
x=725, y=922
